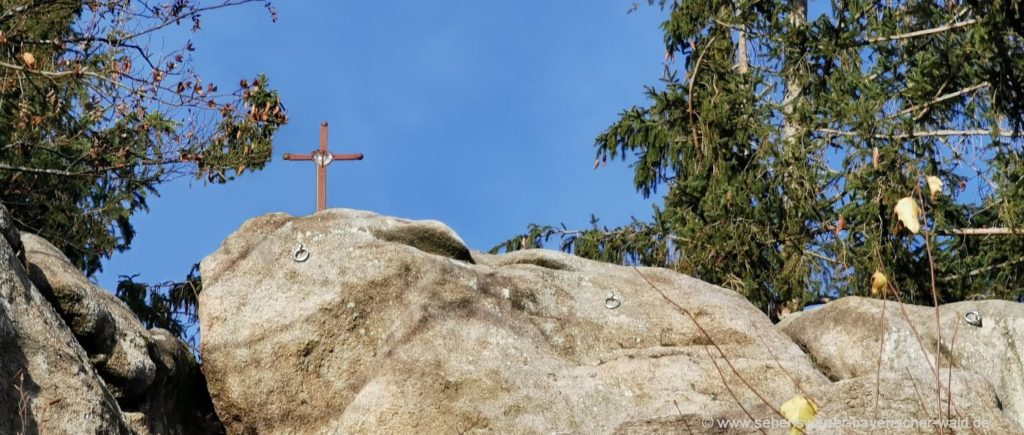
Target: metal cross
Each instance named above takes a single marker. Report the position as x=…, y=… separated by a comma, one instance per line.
x=322, y=158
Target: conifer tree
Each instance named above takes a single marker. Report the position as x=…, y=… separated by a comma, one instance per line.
x=783, y=143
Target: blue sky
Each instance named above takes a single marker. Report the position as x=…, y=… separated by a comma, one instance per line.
x=481, y=114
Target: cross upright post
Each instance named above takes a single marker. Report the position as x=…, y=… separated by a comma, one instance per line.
x=322, y=157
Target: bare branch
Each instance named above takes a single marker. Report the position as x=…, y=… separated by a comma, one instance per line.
x=940, y=99
x=925, y=32
x=6, y=167
x=917, y=134
x=60, y=74
x=188, y=15
x=981, y=270
x=986, y=231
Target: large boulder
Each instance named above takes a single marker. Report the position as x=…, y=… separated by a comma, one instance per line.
x=854, y=337
x=394, y=326
x=47, y=384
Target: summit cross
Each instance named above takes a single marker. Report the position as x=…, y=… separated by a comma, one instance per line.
x=322, y=158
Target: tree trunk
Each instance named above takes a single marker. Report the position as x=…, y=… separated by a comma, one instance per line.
x=742, y=58
x=798, y=18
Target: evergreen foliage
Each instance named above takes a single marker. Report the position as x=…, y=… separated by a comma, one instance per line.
x=170, y=305
x=93, y=120
x=783, y=146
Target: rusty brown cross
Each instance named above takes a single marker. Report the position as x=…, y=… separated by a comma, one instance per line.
x=322, y=158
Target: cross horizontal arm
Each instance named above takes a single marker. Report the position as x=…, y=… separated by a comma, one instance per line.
x=356, y=156
x=298, y=156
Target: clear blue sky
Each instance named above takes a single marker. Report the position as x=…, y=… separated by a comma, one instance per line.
x=481, y=114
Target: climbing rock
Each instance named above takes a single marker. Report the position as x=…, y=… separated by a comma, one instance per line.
x=844, y=339
x=389, y=326
x=177, y=403
x=153, y=375
x=108, y=330
x=47, y=384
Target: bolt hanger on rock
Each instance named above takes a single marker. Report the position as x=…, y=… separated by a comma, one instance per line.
x=973, y=318
x=301, y=254
x=612, y=302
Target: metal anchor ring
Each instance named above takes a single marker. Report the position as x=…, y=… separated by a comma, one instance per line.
x=612, y=302
x=300, y=254
x=973, y=318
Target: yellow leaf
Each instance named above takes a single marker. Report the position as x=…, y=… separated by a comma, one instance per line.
x=934, y=185
x=28, y=59
x=799, y=411
x=909, y=213
x=878, y=282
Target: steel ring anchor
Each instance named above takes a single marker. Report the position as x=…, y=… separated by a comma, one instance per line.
x=300, y=254
x=973, y=318
x=612, y=302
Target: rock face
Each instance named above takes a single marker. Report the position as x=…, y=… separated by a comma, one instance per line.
x=848, y=406
x=177, y=402
x=152, y=374
x=46, y=381
x=110, y=333
x=75, y=360
x=381, y=324
x=378, y=333
x=394, y=326
x=844, y=338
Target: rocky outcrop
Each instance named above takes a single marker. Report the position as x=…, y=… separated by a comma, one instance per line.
x=351, y=322
x=406, y=334
x=47, y=383
x=177, y=402
x=153, y=375
x=364, y=331
x=113, y=337
x=849, y=406
x=75, y=360
x=853, y=336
